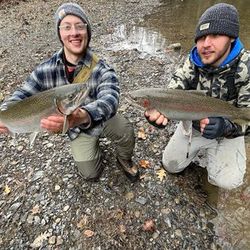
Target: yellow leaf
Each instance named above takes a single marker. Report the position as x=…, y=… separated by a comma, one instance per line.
x=7, y=190
x=39, y=240
x=83, y=222
x=161, y=173
x=144, y=164
x=122, y=228
x=141, y=134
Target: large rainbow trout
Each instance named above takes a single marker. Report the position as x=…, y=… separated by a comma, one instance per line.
x=179, y=104
x=24, y=116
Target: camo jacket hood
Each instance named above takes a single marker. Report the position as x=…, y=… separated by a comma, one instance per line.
x=214, y=81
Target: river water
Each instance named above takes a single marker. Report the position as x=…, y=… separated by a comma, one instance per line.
x=174, y=22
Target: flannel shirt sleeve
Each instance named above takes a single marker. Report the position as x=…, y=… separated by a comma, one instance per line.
x=106, y=91
x=32, y=85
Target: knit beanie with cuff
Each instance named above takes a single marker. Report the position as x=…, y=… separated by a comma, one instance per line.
x=71, y=9
x=219, y=19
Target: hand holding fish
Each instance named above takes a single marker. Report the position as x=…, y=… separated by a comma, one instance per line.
x=214, y=127
x=79, y=117
x=55, y=122
x=156, y=118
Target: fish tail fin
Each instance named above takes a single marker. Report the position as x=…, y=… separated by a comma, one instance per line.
x=247, y=113
x=244, y=116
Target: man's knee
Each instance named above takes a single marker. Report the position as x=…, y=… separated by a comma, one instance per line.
x=173, y=166
x=120, y=129
x=90, y=170
x=227, y=181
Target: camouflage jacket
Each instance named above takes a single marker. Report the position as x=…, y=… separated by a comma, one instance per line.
x=215, y=82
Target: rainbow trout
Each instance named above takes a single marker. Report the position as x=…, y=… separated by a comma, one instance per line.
x=24, y=116
x=179, y=104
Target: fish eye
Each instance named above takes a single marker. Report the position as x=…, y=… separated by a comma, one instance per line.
x=71, y=96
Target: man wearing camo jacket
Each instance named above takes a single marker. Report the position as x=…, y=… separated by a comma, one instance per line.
x=220, y=66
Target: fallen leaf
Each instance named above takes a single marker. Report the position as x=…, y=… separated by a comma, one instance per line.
x=88, y=233
x=35, y=209
x=161, y=174
x=83, y=222
x=130, y=196
x=141, y=133
x=7, y=190
x=122, y=228
x=119, y=214
x=39, y=240
x=144, y=164
x=149, y=225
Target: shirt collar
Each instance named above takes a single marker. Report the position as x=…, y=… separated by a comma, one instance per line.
x=86, y=59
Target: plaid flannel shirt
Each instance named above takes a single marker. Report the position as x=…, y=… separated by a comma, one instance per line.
x=102, y=101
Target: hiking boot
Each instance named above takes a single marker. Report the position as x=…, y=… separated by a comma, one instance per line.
x=129, y=169
x=211, y=190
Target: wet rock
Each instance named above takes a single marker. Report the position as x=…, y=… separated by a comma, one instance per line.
x=141, y=200
x=37, y=175
x=174, y=46
x=52, y=240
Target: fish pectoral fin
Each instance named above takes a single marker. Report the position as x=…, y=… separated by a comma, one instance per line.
x=65, y=124
x=32, y=138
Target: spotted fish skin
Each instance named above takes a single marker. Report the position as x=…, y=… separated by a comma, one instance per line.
x=24, y=116
x=177, y=104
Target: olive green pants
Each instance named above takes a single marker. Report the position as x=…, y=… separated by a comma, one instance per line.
x=86, y=150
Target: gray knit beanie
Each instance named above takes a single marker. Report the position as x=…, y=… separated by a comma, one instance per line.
x=71, y=9
x=220, y=19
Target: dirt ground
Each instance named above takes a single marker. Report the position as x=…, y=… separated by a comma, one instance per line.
x=44, y=203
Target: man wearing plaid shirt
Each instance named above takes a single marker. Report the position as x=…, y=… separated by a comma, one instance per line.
x=75, y=62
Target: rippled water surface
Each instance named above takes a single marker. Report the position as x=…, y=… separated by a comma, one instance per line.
x=176, y=20
x=173, y=22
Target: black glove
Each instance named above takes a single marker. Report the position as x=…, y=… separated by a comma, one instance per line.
x=196, y=125
x=154, y=124
x=217, y=127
